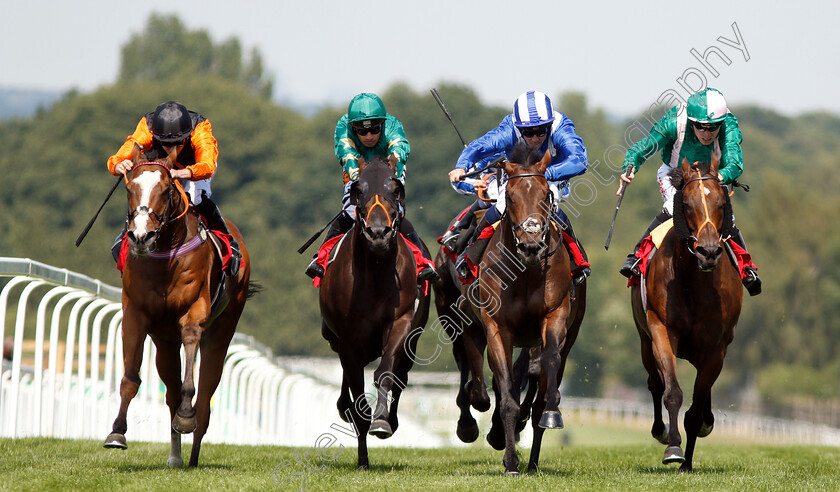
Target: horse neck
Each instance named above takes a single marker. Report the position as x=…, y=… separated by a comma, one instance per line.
x=362, y=256
x=177, y=230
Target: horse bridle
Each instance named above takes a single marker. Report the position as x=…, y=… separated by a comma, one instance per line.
x=543, y=232
x=708, y=219
x=395, y=223
x=161, y=218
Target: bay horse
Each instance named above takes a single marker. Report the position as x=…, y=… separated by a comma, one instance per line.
x=370, y=303
x=169, y=280
x=693, y=303
x=523, y=298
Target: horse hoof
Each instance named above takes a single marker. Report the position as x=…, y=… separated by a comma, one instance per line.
x=183, y=425
x=381, y=429
x=512, y=473
x=705, y=430
x=174, y=462
x=467, y=432
x=673, y=454
x=551, y=420
x=115, y=441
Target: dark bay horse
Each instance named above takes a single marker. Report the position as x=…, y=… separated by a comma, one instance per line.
x=468, y=344
x=693, y=303
x=523, y=298
x=370, y=303
x=167, y=295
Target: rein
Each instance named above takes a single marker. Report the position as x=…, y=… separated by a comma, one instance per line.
x=700, y=178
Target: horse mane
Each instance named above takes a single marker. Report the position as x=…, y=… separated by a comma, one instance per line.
x=678, y=181
x=524, y=155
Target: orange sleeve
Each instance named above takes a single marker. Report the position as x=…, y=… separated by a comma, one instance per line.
x=206, y=151
x=142, y=136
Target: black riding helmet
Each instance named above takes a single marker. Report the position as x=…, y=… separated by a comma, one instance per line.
x=171, y=123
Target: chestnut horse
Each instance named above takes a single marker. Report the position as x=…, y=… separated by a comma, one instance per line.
x=523, y=298
x=167, y=295
x=693, y=303
x=370, y=303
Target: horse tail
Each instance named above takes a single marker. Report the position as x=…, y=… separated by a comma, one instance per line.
x=254, y=288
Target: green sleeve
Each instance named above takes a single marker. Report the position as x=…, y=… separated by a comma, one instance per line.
x=663, y=133
x=345, y=148
x=397, y=143
x=732, y=159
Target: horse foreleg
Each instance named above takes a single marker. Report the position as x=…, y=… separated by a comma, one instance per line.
x=168, y=362
x=184, y=421
x=664, y=350
x=474, y=345
x=360, y=412
x=654, y=383
x=500, y=355
x=390, y=377
x=554, y=337
x=133, y=336
x=467, y=430
x=212, y=362
x=698, y=418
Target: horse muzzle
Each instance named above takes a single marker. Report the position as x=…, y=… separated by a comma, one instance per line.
x=379, y=238
x=708, y=256
x=530, y=252
x=141, y=243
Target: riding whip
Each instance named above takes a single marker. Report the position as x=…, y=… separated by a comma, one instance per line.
x=621, y=191
x=318, y=234
x=449, y=116
x=90, y=224
x=135, y=154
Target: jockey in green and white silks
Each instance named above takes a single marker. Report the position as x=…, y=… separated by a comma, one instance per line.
x=366, y=131
x=673, y=135
x=695, y=130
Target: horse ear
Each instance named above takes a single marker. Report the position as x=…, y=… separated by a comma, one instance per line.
x=172, y=157
x=715, y=163
x=686, y=166
x=544, y=162
x=392, y=161
x=357, y=192
x=362, y=164
x=506, y=166
x=397, y=189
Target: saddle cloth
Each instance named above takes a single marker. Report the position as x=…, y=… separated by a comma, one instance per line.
x=653, y=242
x=328, y=250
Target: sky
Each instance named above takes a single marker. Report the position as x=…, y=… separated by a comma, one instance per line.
x=625, y=56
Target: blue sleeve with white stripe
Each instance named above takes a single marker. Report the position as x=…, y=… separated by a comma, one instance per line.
x=571, y=160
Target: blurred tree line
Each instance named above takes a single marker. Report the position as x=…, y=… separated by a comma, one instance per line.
x=279, y=180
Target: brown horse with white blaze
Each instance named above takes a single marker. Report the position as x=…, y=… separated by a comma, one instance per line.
x=523, y=297
x=169, y=280
x=370, y=303
x=693, y=304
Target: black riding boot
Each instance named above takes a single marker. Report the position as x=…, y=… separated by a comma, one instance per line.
x=117, y=247
x=407, y=230
x=450, y=239
x=461, y=263
x=339, y=226
x=580, y=274
x=210, y=211
x=751, y=281
x=631, y=266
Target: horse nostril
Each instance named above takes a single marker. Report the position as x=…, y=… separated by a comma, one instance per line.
x=130, y=235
